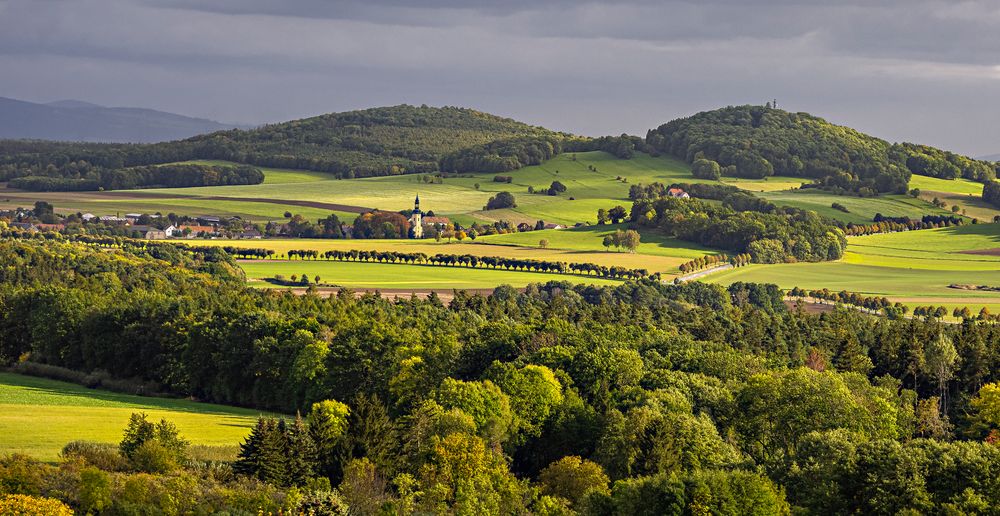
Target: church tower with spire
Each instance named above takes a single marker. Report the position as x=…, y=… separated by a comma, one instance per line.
x=416, y=220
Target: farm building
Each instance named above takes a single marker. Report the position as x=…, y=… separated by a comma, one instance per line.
x=678, y=193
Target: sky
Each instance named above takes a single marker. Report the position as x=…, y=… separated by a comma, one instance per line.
x=904, y=70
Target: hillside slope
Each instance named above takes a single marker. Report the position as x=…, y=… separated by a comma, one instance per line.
x=71, y=120
x=371, y=142
x=760, y=141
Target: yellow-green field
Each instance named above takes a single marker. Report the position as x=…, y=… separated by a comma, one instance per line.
x=914, y=267
x=401, y=276
x=39, y=416
x=581, y=245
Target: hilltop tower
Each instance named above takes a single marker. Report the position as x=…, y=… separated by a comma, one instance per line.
x=416, y=220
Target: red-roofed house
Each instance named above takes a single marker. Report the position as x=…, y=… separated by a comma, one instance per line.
x=678, y=193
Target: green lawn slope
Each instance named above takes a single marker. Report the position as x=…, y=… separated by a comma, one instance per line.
x=39, y=416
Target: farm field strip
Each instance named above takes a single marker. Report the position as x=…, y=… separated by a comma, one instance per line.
x=914, y=267
x=375, y=275
x=71, y=412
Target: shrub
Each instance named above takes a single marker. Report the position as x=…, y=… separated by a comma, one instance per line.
x=500, y=201
x=100, y=455
x=706, y=169
x=153, y=457
x=16, y=505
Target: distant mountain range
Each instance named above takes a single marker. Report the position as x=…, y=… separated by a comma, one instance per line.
x=77, y=121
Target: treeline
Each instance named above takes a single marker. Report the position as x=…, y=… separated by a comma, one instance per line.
x=503, y=155
x=929, y=161
x=771, y=235
x=703, y=262
x=991, y=193
x=461, y=260
x=884, y=224
x=641, y=398
x=71, y=179
x=760, y=141
x=873, y=303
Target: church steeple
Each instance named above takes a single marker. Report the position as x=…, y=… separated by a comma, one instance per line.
x=416, y=220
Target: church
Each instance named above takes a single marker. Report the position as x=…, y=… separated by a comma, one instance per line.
x=416, y=220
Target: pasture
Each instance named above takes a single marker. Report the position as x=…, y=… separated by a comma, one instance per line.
x=656, y=253
x=914, y=267
x=39, y=416
x=861, y=209
x=401, y=276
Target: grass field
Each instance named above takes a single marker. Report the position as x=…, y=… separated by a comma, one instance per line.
x=583, y=245
x=399, y=276
x=912, y=267
x=862, y=209
x=39, y=416
x=955, y=186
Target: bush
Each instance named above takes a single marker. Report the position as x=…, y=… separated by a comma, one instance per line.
x=153, y=457
x=16, y=505
x=100, y=455
x=500, y=201
x=840, y=207
x=706, y=169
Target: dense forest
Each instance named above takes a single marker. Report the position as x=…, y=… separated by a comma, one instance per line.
x=81, y=176
x=743, y=223
x=643, y=398
x=760, y=141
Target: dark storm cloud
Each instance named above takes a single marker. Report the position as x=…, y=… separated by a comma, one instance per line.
x=915, y=69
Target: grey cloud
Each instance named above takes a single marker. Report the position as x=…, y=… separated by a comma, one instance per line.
x=920, y=70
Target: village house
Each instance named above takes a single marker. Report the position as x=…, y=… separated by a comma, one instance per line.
x=87, y=217
x=678, y=193
x=552, y=225
x=50, y=227
x=437, y=222
x=111, y=219
x=249, y=234
x=195, y=231
x=524, y=226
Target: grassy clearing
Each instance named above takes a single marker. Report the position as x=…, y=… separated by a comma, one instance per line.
x=912, y=267
x=862, y=209
x=589, y=239
x=969, y=205
x=273, y=176
x=955, y=186
x=397, y=276
x=39, y=416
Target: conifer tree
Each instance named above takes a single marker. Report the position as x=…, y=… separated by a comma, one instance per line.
x=301, y=459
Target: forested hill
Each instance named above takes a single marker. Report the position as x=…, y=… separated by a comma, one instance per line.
x=760, y=141
x=378, y=141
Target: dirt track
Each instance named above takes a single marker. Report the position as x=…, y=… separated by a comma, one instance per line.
x=984, y=252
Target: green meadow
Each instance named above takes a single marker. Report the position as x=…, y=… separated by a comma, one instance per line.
x=401, y=276
x=861, y=209
x=913, y=267
x=39, y=416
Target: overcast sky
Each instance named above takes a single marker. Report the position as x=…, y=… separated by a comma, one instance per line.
x=914, y=70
